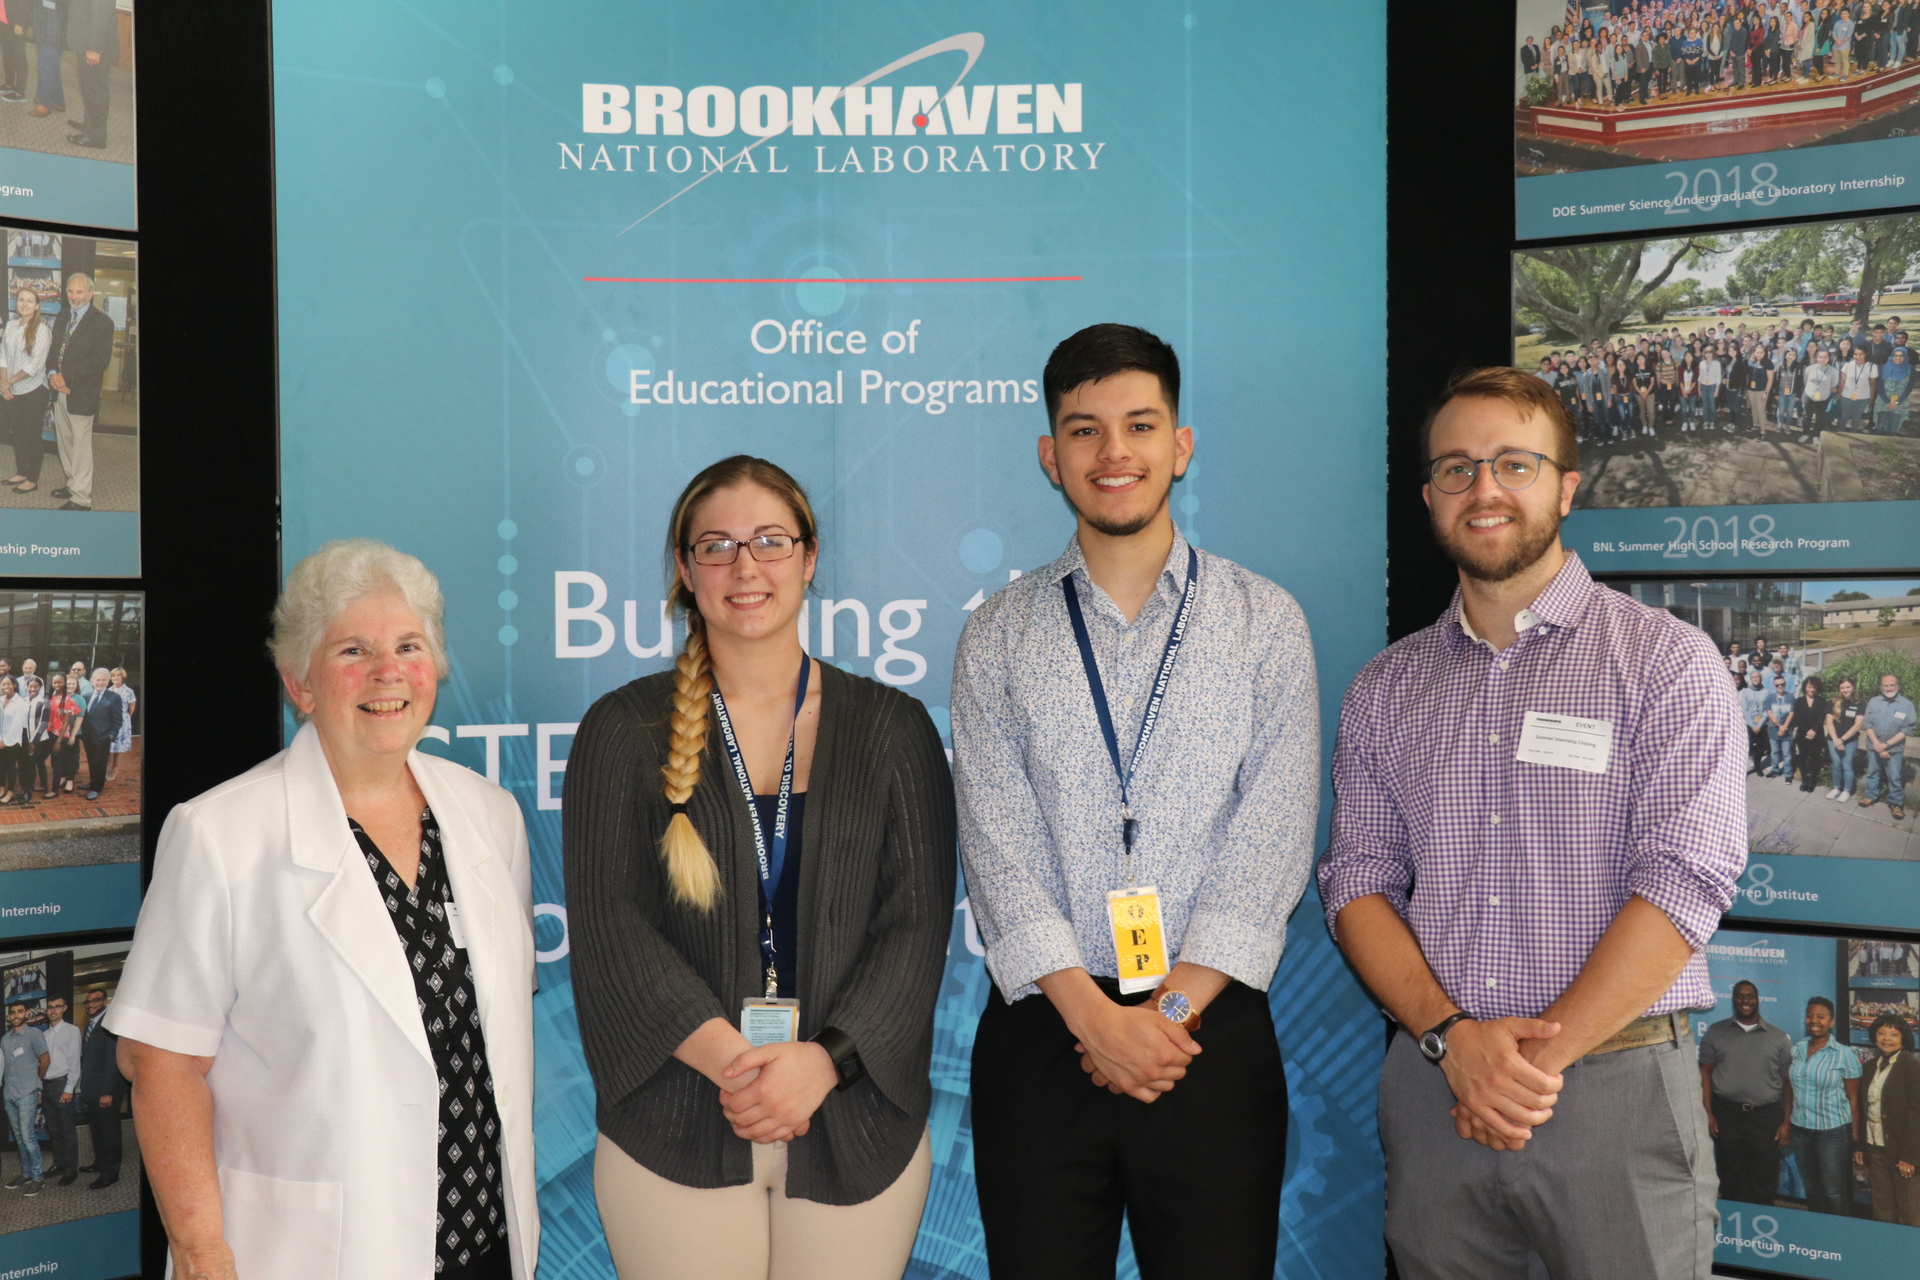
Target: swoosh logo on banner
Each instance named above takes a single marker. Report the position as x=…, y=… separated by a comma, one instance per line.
x=968, y=42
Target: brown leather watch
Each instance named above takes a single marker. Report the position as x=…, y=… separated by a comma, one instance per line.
x=1175, y=1007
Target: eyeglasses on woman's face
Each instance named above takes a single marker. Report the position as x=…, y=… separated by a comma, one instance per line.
x=1513, y=469
x=763, y=546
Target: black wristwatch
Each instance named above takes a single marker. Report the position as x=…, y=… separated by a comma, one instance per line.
x=1434, y=1043
x=846, y=1058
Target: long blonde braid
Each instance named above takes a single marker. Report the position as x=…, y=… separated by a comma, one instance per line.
x=691, y=870
x=690, y=865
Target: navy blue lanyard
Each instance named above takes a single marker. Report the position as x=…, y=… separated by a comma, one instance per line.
x=771, y=854
x=1151, y=718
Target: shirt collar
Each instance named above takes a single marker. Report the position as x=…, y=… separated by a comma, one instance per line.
x=1173, y=574
x=1562, y=604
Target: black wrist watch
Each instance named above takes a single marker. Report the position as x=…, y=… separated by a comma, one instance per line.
x=846, y=1057
x=1434, y=1043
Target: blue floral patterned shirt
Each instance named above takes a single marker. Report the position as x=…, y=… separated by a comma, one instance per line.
x=1226, y=798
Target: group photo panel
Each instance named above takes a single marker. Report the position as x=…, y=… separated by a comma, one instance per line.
x=1641, y=114
x=67, y=120
x=1805, y=1062
x=1742, y=399
x=77, y=1134
x=1825, y=671
x=70, y=406
x=71, y=752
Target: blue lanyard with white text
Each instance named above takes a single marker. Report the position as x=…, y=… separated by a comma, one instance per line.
x=1152, y=716
x=771, y=855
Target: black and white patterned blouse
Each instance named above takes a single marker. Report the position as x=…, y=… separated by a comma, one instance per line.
x=470, y=1211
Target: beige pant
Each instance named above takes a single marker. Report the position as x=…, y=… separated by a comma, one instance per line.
x=1757, y=406
x=660, y=1230
x=73, y=436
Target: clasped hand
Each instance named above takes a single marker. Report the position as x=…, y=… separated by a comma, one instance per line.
x=784, y=1085
x=1500, y=1089
x=1132, y=1049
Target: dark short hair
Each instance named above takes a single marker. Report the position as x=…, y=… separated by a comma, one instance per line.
x=1821, y=1000
x=1521, y=390
x=1895, y=1021
x=1099, y=351
x=1745, y=982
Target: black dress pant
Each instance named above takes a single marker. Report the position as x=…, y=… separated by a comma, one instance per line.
x=1757, y=750
x=13, y=56
x=1196, y=1173
x=98, y=749
x=24, y=417
x=94, y=97
x=1745, y=1152
x=104, y=1124
x=1808, y=757
x=61, y=1129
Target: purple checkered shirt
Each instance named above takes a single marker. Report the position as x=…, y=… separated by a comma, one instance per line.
x=1507, y=871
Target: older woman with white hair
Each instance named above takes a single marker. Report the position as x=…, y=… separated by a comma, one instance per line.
x=326, y=1016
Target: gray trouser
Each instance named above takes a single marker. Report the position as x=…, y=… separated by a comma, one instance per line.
x=73, y=436
x=1618, y=1185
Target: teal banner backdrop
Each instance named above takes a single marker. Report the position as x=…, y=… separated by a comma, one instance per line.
x=540, y=264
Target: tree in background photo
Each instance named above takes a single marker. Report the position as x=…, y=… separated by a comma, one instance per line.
x=1769, y=366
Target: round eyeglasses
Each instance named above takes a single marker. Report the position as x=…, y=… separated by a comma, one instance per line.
x=765, y=546
x=1513, y=469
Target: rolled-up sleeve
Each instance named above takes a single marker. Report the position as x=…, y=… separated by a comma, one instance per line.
x=1261, y=862
x=178, y=985
x=1369, y=851
x=1004, y=839
x=1687, y=836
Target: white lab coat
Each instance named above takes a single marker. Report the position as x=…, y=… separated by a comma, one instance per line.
x=264, y=944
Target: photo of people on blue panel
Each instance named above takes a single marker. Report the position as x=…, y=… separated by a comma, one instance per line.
x=1811, y=1083
x=1634, y=113
x=66, y=111
x=69, y=1161
x=1825, y=671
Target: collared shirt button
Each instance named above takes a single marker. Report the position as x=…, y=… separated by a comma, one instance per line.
x=1493, y=737
x=1503, y=664
x=1128, y=702
x=1127, y=638
x=1494, y=901
x=1494, y=819
x=1493, y=982
x=1543, y=631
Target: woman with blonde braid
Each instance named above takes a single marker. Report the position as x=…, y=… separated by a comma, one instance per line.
x=760, y=883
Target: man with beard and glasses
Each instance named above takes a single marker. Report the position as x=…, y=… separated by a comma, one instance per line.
x=1136, y=758
x=1539, y=818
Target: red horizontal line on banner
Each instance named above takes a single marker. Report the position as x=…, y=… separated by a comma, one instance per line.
x=817, y=280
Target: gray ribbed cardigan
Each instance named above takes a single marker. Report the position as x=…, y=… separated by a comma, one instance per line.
x=875, y=912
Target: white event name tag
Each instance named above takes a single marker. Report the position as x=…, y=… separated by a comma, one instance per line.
x=774, y=1021
x=1566, y=742
x=454, y=926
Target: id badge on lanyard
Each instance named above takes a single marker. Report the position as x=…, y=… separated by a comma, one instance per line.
x=1139, y=945
x=1137, y=941
x=769, y=1019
